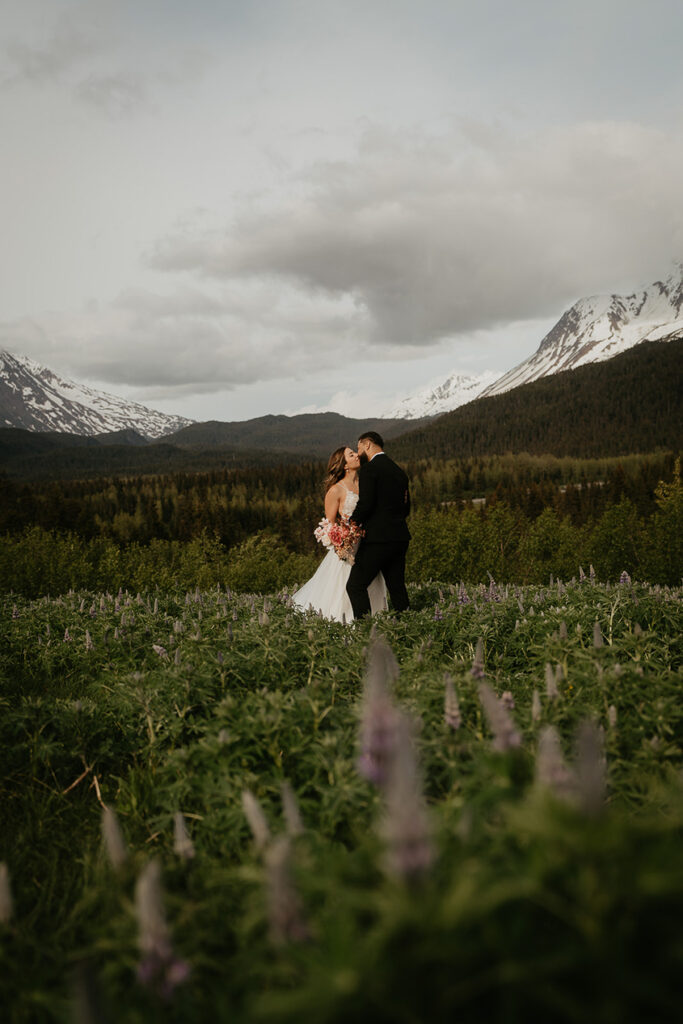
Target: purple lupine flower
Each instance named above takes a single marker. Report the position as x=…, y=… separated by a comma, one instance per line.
x=625, y=578
x=438, y=614
x=253, y=812
x=380, y=718
x=477, y=670
x=159, y=968
x=176, y=657
x=285, y=914
x=158, y=649
x=591, y=573
x=463, y=597
x=551, y=769
x=451, y=705
x=505, y=735
x=291, y=810
x=112, y=836
x=582, y=575
x=597, y=635
x=405, y=827
x=551, y=689
x=263, y=618
x=182, y=844
x=6, y=902
x=507, y=700
x=67, y=635
x=590, y=767
x=564, y=635
x=15, y=612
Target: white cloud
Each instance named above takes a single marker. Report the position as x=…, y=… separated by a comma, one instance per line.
x=434, y=237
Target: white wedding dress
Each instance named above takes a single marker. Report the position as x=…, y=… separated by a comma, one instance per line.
x=325, y=592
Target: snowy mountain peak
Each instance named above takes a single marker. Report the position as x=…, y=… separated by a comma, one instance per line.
x=433, y=400
x=602, y=326
x=35, y=398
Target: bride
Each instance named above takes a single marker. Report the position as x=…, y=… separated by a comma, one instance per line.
x=325, y=592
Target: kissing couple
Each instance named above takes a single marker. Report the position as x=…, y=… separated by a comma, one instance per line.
x=367, y=501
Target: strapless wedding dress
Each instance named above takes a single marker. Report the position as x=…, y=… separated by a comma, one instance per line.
x=325, y=592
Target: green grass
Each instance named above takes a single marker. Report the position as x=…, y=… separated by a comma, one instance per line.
x=532, y=909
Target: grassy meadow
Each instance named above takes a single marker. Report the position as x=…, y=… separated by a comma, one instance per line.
x=473, y=812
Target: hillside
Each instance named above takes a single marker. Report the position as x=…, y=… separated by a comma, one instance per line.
x=308, y=434
x=631, y=403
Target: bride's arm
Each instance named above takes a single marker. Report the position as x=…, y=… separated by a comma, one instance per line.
x=332, y=502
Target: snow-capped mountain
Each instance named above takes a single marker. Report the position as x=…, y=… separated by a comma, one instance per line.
x=600, y=327
x=432, y=401
x=35, y=398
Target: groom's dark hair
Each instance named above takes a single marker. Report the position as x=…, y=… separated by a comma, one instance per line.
x=371, y=435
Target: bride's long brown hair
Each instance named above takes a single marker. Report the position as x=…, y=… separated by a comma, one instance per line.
x=336, y=467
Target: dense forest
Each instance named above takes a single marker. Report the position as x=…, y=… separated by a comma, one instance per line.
x=631, y=403
x=233, y=504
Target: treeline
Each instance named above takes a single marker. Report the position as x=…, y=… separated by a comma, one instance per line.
x=448, y=545
x=235, y=504
x=630, y=403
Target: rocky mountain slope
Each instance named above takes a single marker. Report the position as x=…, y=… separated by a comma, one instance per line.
x=36, y=398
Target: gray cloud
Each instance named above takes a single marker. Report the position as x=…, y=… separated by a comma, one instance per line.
x=435, y=237
x=66, y=48
x=116, y=95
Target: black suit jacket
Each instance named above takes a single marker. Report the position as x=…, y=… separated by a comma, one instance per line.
x=384, y=501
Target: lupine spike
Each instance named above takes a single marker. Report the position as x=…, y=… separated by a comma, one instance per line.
x=597, y=635
x=114, y=843
x=379, y=721
x=535, y=707
x=291, y=810
x=285, y=914
x=505, y=735
x=451, y=705
x=405, y=827
x=590, y=768
x=477, y=669
x=563, y=630
x=182, y=844
x=550, y=683
x=257, y=820
x=159, y=968
x=551, y=769
x=612, y=716
x=6, y=902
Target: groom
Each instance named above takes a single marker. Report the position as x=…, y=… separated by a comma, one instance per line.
x=383, y=504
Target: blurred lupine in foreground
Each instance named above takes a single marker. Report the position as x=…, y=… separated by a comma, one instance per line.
x=182, y=844
x=257, y=820
x=507, y=700
x=590, y=768
x=285, y=915
x=291, y=810
x=6, y=905
x=112, y=836
x=159, y=968
x=550, y=683
x=380, y=718
x=451, y=706
x=551, y=769
x=477, y=670
x=505, y=735
x=612, y=716
x=405, y=826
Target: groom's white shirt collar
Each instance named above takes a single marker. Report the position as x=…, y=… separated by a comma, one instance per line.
x=376, y=454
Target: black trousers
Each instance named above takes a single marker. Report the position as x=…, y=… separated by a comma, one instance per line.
x=372, y=558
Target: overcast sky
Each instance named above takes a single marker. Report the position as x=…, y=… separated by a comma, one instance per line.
x=222, y=209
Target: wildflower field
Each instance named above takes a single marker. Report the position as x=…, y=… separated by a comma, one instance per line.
x=215, y=808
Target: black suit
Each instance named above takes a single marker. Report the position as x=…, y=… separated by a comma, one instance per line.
x=383, y=505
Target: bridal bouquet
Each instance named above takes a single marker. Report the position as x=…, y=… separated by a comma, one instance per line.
x=341, y=536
